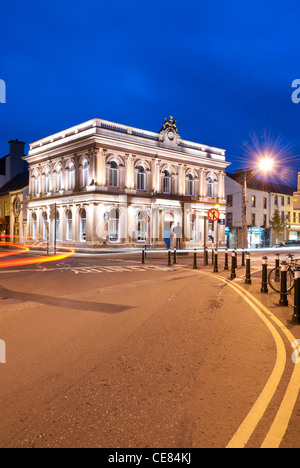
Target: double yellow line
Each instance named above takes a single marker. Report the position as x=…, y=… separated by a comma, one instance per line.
x=280, y=424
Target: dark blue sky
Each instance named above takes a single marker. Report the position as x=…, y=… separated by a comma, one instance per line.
x=223, y=69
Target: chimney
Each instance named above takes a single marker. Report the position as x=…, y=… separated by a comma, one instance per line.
x=16, y=148
x=14, y=163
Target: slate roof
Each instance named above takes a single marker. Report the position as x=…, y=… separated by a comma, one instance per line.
x=253, y=183
x=17, y=183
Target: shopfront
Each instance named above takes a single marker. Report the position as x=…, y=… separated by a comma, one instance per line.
x=256, y=238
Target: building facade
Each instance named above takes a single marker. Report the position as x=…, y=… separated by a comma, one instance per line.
x=13, y=210
x=263, y=199
x=118, y=186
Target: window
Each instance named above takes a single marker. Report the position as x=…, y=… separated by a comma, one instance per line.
x=69, y=225
x=253, y=201
x=72, y=177
x=47, y=187
x=193, y=227
x=114, y=225
x=34, y=225
x=142, y=225
x=253, y=221
x=167, y=182
x=229, y=201
x=289, y=200
x=265, y=221
x=83, y=226
x=210, y=188
x=114, y=174
x=288, y=216
x=45, y=226
x=229, y=219
x=57, y=225
x=265, y=203
x=283, y=216
x=294, y=217
x=85, y=174
x=191, y=186
x=58, y=179
x=36, y=185
x=141, y=178
x=282, y=201
x=276, y=200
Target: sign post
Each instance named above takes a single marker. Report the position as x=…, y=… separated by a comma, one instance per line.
x=214, y=215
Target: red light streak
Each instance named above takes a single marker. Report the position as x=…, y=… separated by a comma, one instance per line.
x=30, y=260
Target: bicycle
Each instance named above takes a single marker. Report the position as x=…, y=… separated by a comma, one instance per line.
x=275, y=274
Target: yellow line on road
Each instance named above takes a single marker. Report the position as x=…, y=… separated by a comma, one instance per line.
x=248, y=426
x=283, y=417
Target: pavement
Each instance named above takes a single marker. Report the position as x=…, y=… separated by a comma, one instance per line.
x=107, y=352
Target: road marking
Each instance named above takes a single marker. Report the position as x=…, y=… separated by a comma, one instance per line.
x=280, y=424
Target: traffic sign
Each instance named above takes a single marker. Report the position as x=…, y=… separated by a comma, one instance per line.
x=213, y=214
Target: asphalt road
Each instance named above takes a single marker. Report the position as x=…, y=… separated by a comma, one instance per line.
x=106, y=352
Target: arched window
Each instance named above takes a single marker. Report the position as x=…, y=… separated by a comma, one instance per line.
x=191, y=186
x=193, y=227
x=59, y=180
x=69, y=225
x=210, y=188
x=57, y=225
x=142, y=225
x=34, y=225
x=114, y=174
x=71, y=177
x=114, y=225
x=83, y=225
x=47, y=187
x=85, y=174
x=141, y=178
x=36, y=184
x=167, y=182
x=45, y=226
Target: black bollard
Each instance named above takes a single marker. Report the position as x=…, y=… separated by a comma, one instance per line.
x=264, y=282
x=143, y=256
x=233, y=265
x=195, y=266
x=243, y=257
x=169, y=258
x=216, y=270
x=213, y=255
x=226, y=259
x=296, y=314
x=283, y=293
x=175, y=257
x=277, y=266
x=248, y=269
x=206, y=257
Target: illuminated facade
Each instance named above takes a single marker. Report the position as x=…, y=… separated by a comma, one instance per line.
x=115, y=185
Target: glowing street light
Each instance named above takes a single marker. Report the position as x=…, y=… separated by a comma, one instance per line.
x=266, y=164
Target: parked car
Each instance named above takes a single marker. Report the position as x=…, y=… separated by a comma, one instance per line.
x=287, y=243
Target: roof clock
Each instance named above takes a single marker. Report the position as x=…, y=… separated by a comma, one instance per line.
x=169, y=132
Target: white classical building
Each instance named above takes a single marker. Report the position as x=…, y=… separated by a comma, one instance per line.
x=115, y=185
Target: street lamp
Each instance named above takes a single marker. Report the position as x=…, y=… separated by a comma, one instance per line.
x=266, y=165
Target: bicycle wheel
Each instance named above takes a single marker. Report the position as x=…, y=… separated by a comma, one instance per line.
x=275, y=281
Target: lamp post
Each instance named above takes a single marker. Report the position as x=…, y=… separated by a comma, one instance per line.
x=265, y=165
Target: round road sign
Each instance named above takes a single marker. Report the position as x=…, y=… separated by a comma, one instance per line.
x=214, y=214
